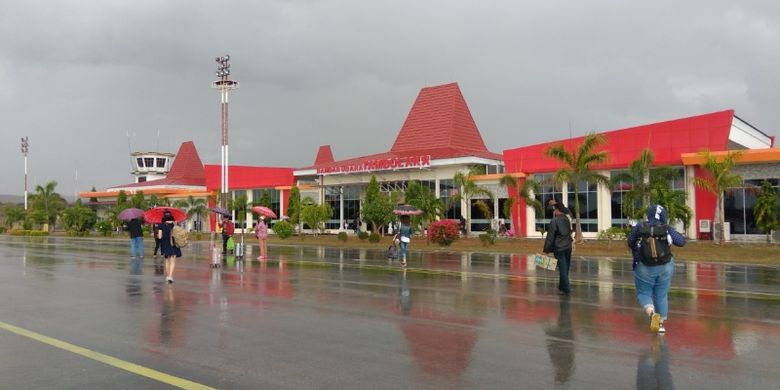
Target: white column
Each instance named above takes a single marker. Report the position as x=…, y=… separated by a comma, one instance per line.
x=341, y=208
x=690, y=191
x=604, y=204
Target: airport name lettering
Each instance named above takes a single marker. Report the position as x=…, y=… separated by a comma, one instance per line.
x=378, y=165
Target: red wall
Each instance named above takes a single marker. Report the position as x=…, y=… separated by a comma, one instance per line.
x=668, y=141
x=706, y=202
x=242, y=177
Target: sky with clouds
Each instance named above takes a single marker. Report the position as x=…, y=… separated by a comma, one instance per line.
x=89, y=80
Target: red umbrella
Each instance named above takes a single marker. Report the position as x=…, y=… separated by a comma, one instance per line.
x=407, y=210
x=155, y=215
x=262, y=210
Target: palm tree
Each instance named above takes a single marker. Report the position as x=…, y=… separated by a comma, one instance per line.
x=48, y=202
x=720, y=179
x=577, y=168
x=424, y=199
x=675, y=201
x=637, y=199
x=766, y=208
x=13, y=213
x=467, y=190
x=526, y=192
x=196, y=207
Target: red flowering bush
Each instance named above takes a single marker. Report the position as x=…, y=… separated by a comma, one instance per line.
x=444, y=232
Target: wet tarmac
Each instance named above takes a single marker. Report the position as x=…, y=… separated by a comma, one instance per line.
x=329, y=318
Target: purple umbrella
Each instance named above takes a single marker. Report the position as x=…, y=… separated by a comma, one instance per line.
x=129, y=214
x=221, y=211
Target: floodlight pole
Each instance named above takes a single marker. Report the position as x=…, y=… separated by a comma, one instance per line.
x=25, y=150
x=224, y=84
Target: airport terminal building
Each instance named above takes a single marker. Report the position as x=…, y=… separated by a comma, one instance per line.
x=440, y=138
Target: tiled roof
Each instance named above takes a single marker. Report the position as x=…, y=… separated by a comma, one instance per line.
x=439, y=124
x=324, y=155
x=187, y=170
x=439, y=118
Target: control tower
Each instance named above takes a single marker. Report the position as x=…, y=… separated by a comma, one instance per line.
x=148, y=166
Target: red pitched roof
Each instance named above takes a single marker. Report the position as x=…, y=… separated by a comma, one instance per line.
x=439, y=118
x=439, y=124
x=187, y=170
x=324, y=155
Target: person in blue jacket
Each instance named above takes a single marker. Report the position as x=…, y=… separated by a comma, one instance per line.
x=653, y=270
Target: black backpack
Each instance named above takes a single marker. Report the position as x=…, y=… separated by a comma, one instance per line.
x=654, y=246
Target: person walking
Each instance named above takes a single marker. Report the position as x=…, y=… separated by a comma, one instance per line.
x=650, y=243
x=134, y=227
x=157, y=241
x=227, y=231
x=405, y=237
x=168, y=248
x=261, y=232
x=559, y=244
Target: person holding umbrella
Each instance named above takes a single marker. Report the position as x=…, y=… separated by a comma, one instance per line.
x=169, y=251
x=134, y=227
x=405, y=237
x=405, y=230
x=261, y=232
x=261, y=229
x=227, y=231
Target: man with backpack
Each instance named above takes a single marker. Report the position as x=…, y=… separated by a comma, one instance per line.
x=227, y=231
x=650, y=243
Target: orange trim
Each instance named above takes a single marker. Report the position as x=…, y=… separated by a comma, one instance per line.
x=748, y=156
x=155, y=191
x=498, y=176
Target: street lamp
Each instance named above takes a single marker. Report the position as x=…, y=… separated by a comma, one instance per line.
x=25, y=150
x=224, y=84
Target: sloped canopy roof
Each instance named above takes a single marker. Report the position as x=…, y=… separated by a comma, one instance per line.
x=187, y=170
x=439, y=124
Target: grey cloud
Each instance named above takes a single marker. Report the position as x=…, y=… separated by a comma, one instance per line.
x=78, y=76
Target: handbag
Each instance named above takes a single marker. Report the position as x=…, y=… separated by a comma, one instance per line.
x=406, y=239
x=547, y=262
x=231, y=244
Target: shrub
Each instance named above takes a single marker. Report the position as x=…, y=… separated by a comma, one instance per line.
x=444, y=232
x=104, y=227
x=374, y=237
x=2, y=230
x=76, y=233
x=283, y=229
x=488, y=238
x=363, y=236
x=29, y=233
x=343, y=236
x=613, y=233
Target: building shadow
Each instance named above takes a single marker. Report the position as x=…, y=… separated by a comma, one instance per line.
x=652, y=370
x=560, y=342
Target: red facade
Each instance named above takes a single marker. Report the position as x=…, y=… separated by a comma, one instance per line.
x=668, y=140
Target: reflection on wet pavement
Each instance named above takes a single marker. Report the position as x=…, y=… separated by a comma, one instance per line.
x=454, y=320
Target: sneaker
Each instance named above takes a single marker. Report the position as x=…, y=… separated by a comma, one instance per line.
x=655, y=323
x=661, y=329
x=169, y=280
